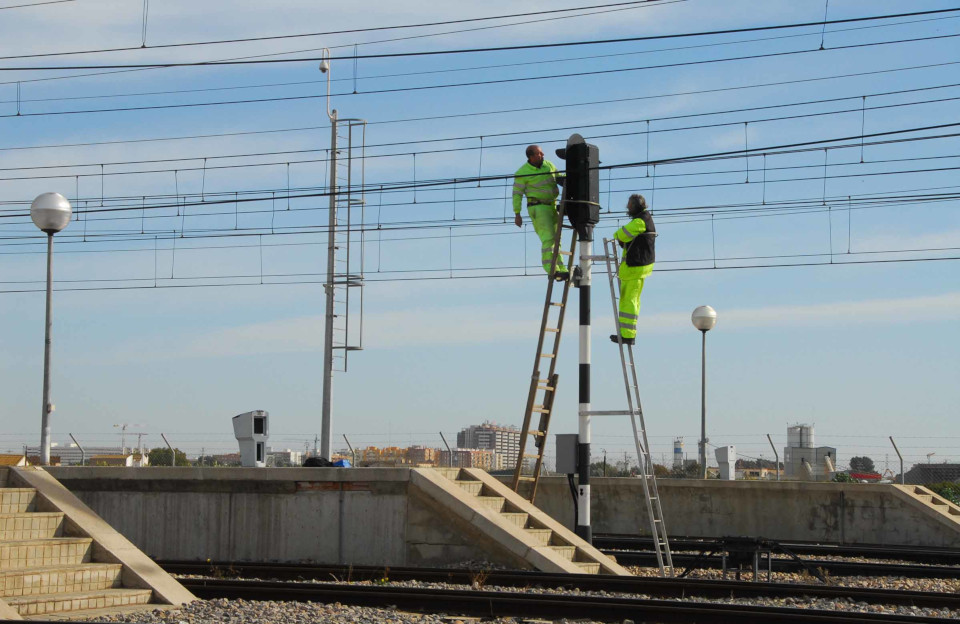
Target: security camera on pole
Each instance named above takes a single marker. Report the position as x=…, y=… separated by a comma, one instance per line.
x=51, y=212
x=581, y=196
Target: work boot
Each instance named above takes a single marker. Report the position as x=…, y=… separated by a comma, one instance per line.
x=626, y=341
x=561, y=276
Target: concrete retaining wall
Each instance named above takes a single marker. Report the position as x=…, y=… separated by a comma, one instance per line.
x=850, y=513
x=361, y=516
x=371, y=516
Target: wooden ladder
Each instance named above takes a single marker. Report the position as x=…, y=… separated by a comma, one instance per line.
x=550, y=323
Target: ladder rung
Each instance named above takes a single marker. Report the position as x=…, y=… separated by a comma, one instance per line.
x=559, y=305
x=537, y=456
x=550, y=388
x=564, y=253
x=522, y=478
x=551, y=329
x=540, y=409
x=548, y=355
x=536, y=433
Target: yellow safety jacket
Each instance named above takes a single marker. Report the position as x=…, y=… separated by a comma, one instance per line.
x=538, y=184
x=637, y=232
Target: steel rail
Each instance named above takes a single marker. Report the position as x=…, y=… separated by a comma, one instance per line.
x=516, y=604
x=944, y=556
x=653, y=586
x=835, y=568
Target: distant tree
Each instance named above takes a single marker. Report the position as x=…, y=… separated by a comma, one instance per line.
x=661, y=471
x=861, y=464
x=161, y=457
x=618, y=469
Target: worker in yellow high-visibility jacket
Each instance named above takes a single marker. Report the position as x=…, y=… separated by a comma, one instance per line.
x=539, y=180
x=637, y=239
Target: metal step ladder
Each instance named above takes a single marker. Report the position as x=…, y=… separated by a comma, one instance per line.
x=551, y=322
x=647, y=476
x=348, y=273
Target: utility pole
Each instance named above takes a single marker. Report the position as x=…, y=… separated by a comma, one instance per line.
x=343, y=279
x=326, y=424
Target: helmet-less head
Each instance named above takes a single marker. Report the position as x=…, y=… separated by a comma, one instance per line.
x=635, y=205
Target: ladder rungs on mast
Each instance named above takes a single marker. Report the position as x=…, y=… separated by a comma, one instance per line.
x=540, y=409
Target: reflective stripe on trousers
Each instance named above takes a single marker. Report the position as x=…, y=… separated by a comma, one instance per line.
x=630, y=290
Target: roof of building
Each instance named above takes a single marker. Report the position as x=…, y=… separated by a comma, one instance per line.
x=10, y=460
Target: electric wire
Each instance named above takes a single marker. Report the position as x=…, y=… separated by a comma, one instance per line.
x=539, y=46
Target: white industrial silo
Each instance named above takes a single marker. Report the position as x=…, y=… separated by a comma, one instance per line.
x=678, y=453
x=800, y=436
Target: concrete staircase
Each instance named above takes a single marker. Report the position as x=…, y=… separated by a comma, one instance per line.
x=933, y=505
x=51, y=567
x=499, y=519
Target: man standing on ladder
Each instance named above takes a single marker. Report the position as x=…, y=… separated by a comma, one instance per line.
x=637, y=238
x=539, y=180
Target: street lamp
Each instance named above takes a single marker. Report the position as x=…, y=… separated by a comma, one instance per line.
x=704, y=318
x=51, y=213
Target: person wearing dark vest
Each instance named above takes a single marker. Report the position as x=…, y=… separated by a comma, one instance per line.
x=637, y=240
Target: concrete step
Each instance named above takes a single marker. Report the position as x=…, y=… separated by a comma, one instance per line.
x=588, y=567
x=517, y=518
x=567, y=552
x=542, y=536
x=55, y=551
x=17, y=500
x=43, y=604
x=492, y=502
x=450, y=473
x=55, y=579
x=473, y=487
x=30, y=525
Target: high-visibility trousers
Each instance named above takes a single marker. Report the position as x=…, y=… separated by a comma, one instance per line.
x=544, y=219
x=631, y=285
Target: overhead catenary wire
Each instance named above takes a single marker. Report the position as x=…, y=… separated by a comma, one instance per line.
x=538, y=46
x=526, y=63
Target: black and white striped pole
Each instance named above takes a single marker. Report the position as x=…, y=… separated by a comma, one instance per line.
x=582, y=197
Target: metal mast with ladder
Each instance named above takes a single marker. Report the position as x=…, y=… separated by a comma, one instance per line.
x=344, y=265
x=545, y=384
x=647, y=476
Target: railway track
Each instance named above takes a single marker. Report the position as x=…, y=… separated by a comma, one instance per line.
x=651, y=586
x=832, y=567
x=502, y=604
x=927, y=555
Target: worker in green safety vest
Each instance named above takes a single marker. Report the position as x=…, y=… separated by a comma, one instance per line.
x=637, y=240
x=539, y=180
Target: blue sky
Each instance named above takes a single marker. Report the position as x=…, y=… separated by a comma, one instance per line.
x=863, y=351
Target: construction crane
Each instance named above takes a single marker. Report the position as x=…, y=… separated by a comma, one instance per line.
x=123, y=434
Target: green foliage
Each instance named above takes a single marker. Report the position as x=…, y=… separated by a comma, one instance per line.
x=161, y=457
x=861, y=464
x=947, y=489
x=842, y=477
x=612, y=469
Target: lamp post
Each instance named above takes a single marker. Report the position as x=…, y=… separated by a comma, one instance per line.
x=704, y=318
x=51, y=213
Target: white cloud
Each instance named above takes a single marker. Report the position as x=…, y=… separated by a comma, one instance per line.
x=466, y=326
x=873, y=311
x=405, y=328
